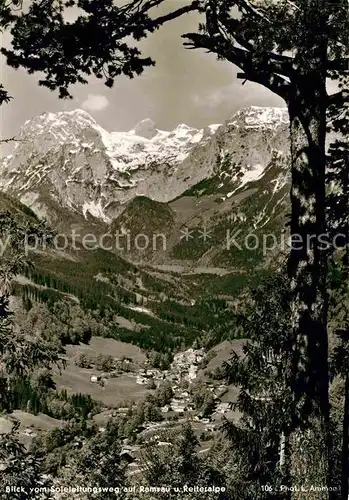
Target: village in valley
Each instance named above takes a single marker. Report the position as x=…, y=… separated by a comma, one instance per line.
x=144, y=392
x=184, y=378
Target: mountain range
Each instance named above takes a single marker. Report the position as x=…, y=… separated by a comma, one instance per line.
x=73, y=173
x=187, y=190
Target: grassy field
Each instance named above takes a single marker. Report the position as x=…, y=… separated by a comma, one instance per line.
x=28, y=422
x=38, y=422
x=116, y=390
x=222, y=353
x=105, y=346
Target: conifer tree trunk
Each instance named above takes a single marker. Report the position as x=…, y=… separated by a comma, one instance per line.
x=309, y=444
x=345, y=443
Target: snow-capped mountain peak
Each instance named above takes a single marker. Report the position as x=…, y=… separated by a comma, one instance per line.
x=69, y=157
x=258, y=116
x=144, y=144
x=145, y=128
x=63, y=122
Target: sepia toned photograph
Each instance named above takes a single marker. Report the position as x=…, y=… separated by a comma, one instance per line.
x=174, y=250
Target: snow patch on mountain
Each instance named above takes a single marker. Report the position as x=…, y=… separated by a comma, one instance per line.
x=260, y=117
x=251, y=174
x=214, y=127
x=95, y=209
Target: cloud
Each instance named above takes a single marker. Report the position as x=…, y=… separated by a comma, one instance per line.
x=95, y=102
x=235, y=96
x=215, y=97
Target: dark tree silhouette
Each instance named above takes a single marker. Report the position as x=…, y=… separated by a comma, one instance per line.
x=265, y=397
x=338, y=216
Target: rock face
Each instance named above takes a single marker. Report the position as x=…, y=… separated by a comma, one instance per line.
x=146, y=128
x=67, y=160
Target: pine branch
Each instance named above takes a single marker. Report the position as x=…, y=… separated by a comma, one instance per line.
x=176, y=13
x=276, y=83
x=265, y=73
x=140, y=6
x=232, y=29
x=249, y=8
x=11, y=139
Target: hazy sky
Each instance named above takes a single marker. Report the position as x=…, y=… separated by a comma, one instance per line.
x=185, y=86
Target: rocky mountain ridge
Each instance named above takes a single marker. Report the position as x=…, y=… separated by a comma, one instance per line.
x=66, y=160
